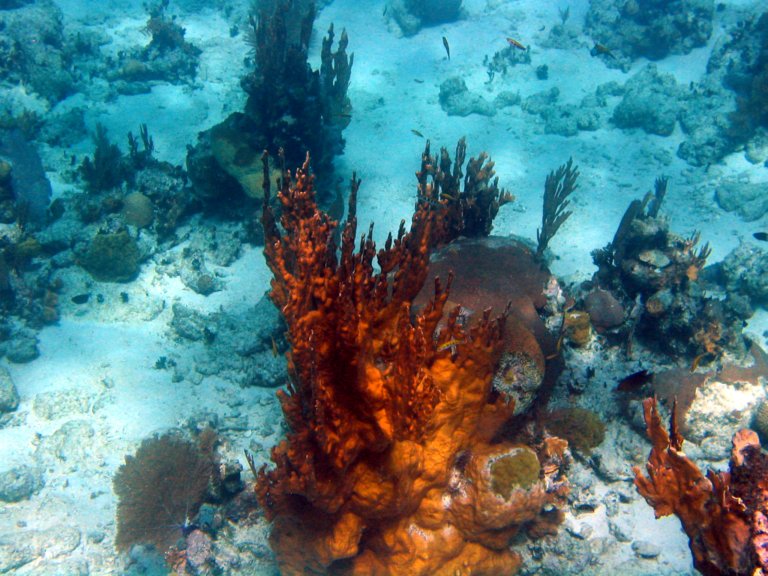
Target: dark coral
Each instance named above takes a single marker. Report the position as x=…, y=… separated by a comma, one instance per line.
x=582, y=428
x=744, y=59
x=161, y=488
x=108, y=168
x=649, y=265
x=290, y=107
x=469, y=201
x=558, y=186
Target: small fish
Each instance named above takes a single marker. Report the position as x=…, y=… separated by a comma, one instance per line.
x=451, y=344
x=445, y=196
x=274, y=347
x=762, y=236
x=385, y=10
x=601, y=50
x=697, y=361
x=418, y=81
x=634, y=381
x=419, y=134
x=516, y=43
x=447, y=48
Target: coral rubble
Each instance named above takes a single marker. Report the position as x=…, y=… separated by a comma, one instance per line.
x=389, y=466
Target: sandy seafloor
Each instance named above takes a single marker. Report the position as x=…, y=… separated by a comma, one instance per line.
x=108, y=352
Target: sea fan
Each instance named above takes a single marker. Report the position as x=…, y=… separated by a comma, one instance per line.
x=160, y=489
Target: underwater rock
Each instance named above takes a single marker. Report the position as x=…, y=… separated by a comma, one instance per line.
x=33, y=52
x=412, y=15
x=20, y=483
x=457, y=100
x=744, y=271
x=246, y=346
x=22, y=348
x=112, y=257
x=651, y=102
x=189, y=323
x=748, y=199
x=9, y=396
x=195, y=275
x=62, y=403
x=650, y=28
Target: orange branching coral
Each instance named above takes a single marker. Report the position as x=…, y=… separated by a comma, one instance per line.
x=388, y=467
x=725, y=515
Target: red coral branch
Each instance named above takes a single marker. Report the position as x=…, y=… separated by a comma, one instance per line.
x=723, y=514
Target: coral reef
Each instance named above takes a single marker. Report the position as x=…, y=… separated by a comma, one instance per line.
x=723, y=514
x=649, y=266
x=33, y=50
x=388, y=465
x=457, y=100
x=651, y=29
x=582, y=428
x=167, y=56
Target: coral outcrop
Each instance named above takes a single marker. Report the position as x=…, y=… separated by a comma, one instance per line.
x=389, y=465
x=648, y=265
x=290, y=106
x=723, y=513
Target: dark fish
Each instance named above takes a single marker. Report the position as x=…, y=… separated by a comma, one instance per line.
x=385, y=11
x=419, y=134
x=599, y=50
x=762, y=236
x=447, y=48
x=81, y=298
x=418, y=81
x=634, y=381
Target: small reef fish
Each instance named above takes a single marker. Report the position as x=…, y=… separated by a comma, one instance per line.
x=419, y=134
x=516, y=43
x=601, y=50
x=762, y=236
x=274, y=348
x=450, y=345
x=634, y=381
x=418, y=81
x=447, y=47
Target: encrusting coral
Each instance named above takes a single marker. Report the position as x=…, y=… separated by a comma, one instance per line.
x=724, y=514
x=389, y=466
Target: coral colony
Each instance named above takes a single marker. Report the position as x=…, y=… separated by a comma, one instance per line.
x=389, y=466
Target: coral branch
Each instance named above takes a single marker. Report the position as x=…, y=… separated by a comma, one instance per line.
x=723, y=514
x=469, y=210
x=557, y=187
